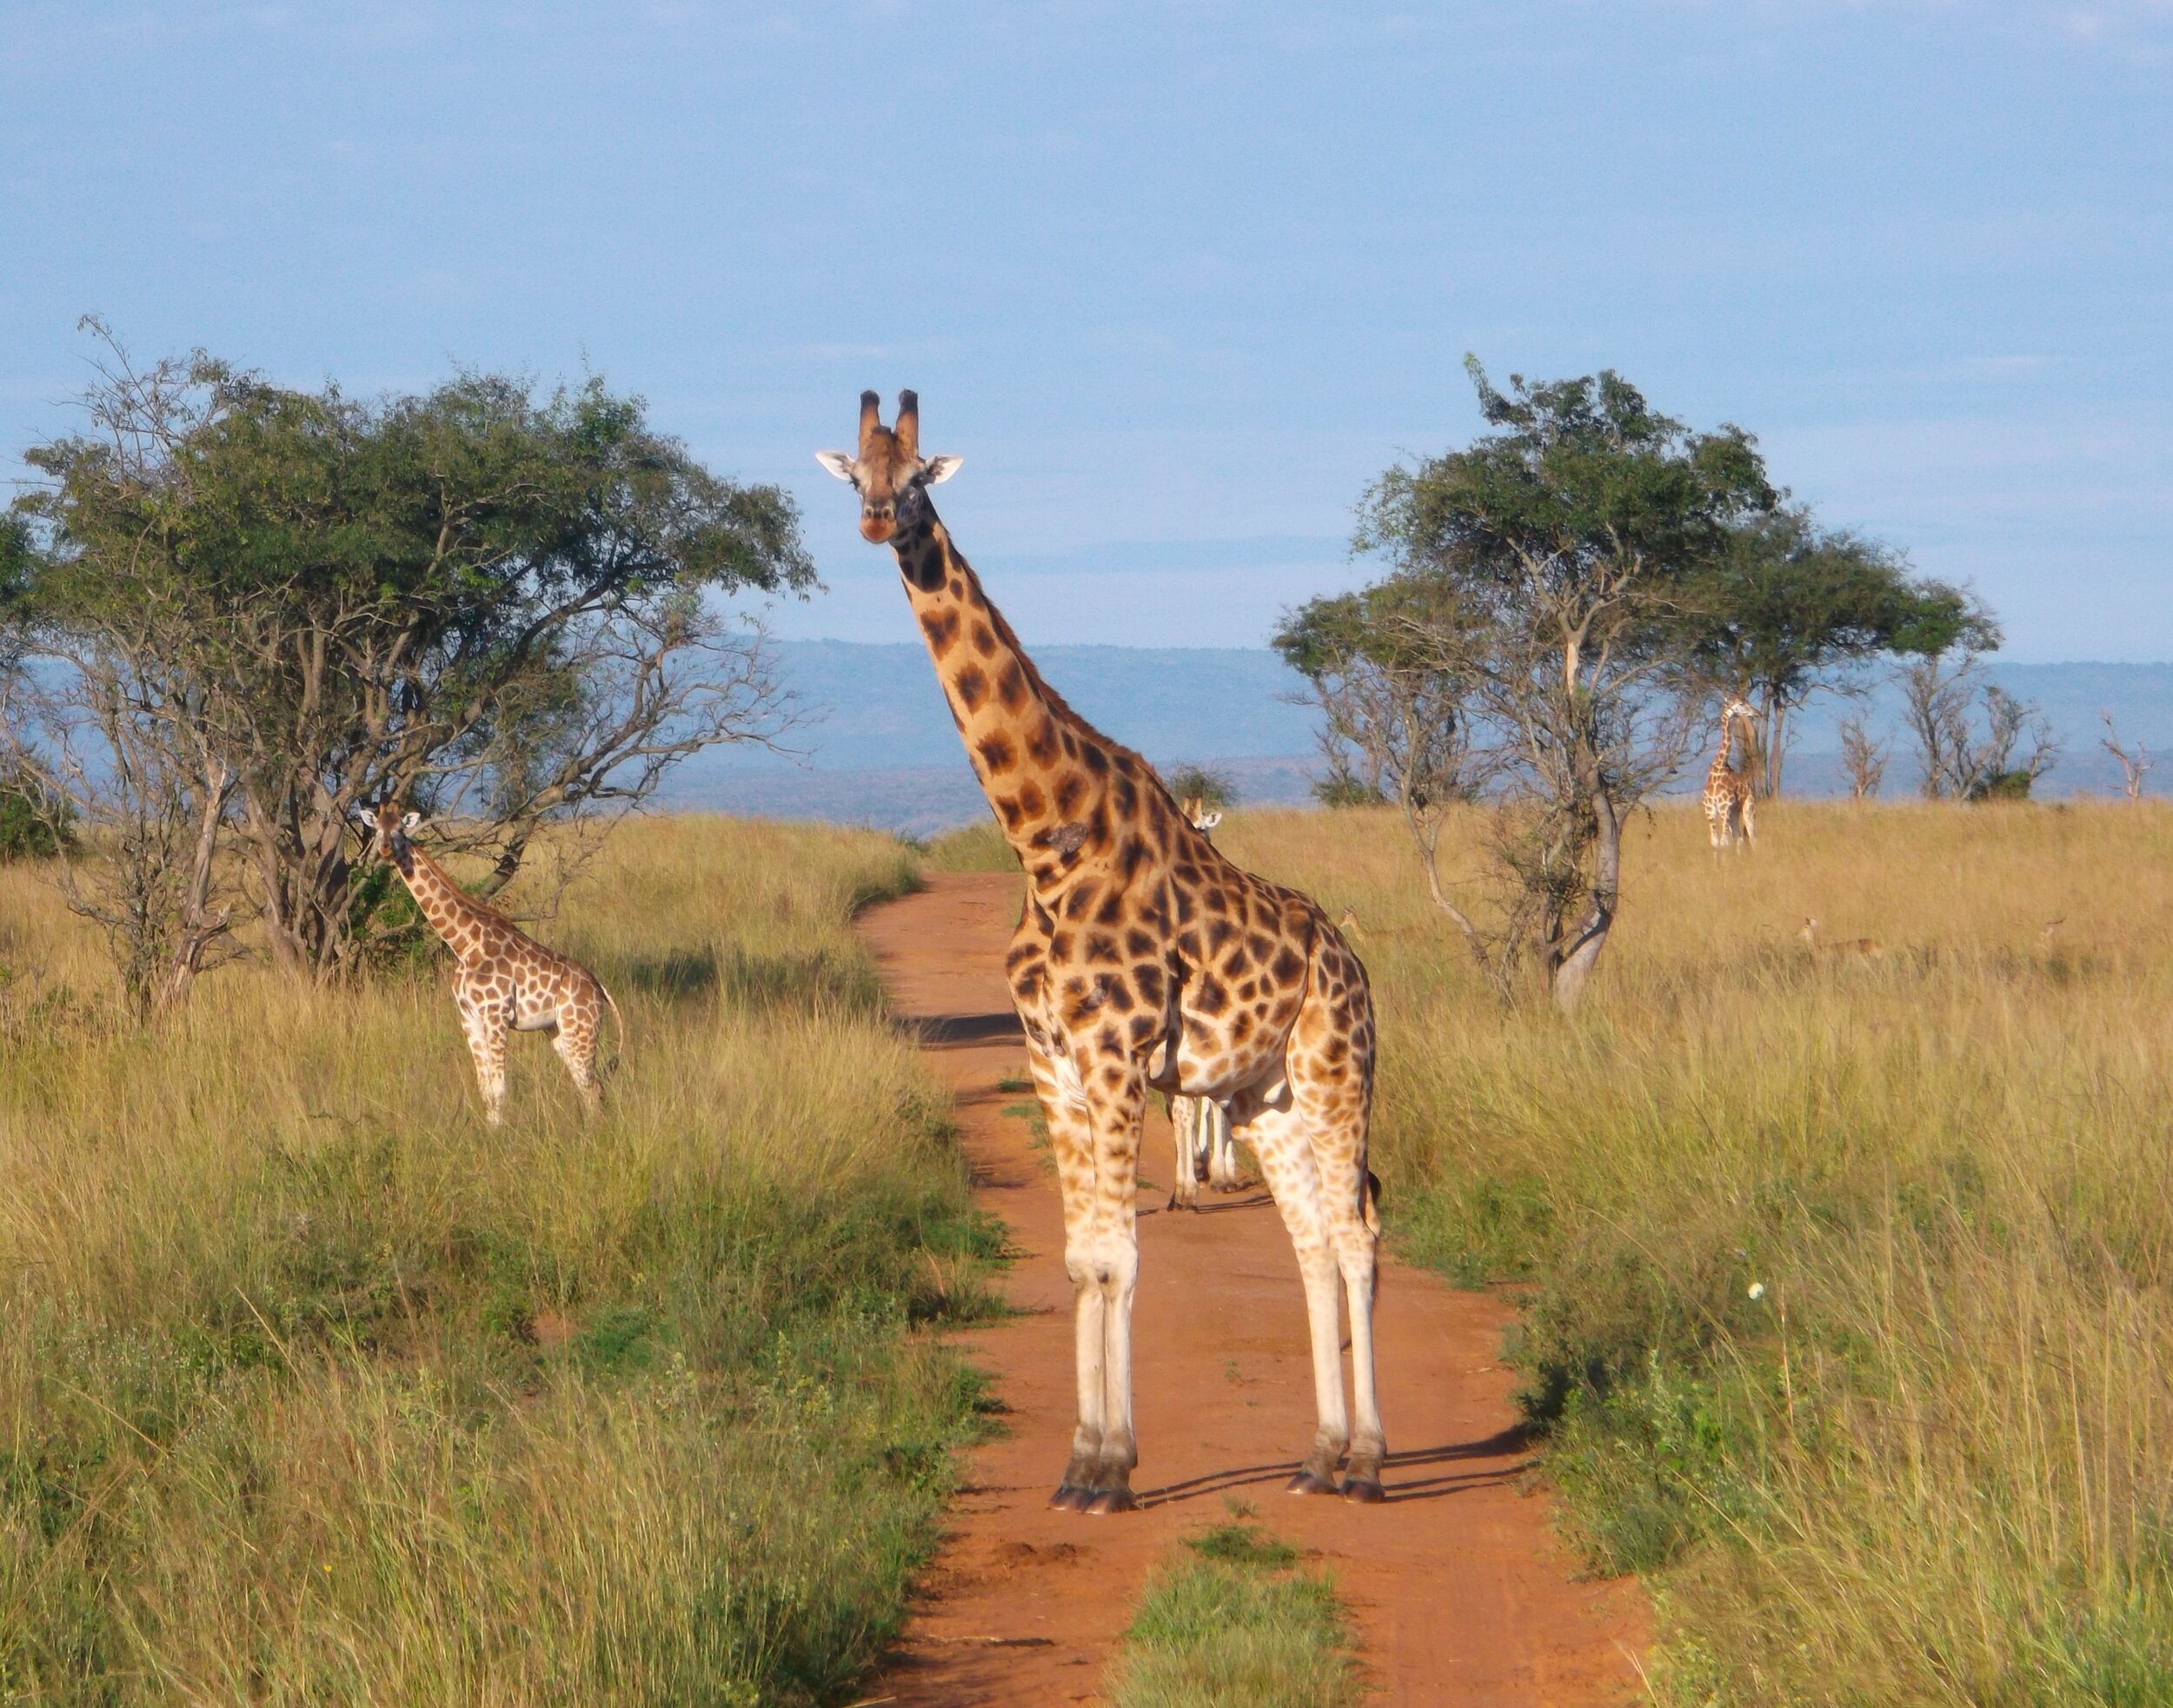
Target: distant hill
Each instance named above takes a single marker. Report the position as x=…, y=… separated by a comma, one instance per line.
x=879, y=747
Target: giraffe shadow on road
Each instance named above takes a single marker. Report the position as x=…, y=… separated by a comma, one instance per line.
x=1510, y=1445
x=940, y=1031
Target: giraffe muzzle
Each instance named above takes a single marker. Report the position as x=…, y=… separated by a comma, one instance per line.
x=877, y=526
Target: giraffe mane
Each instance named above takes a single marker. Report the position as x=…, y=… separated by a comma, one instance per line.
x=1059, y=707
x=486, y=909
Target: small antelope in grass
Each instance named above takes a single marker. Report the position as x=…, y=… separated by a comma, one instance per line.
x=1848, y=949
x=506, y=980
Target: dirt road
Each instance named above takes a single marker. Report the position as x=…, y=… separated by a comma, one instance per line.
x=1459, y=1589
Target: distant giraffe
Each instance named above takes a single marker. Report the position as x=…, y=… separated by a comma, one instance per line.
x=506, y=980
x=1730, y=803
x=1201, y=1126
x=1144, y=959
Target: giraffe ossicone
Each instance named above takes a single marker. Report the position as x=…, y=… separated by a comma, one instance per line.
x=503, y=981
x=1144, y=959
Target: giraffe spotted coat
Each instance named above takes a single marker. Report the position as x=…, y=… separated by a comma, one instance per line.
x=503, y=980
x=1144, y=959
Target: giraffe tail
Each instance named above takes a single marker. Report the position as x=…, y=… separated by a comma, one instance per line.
x=1370, y=1202
x=618, y=1020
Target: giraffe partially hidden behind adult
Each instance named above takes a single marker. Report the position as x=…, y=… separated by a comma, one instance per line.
x=1730, y=803
x=1143, y=960
x=505, y=981
x=1205, y=1151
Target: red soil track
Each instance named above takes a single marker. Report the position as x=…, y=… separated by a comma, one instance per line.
x=1461, y=1593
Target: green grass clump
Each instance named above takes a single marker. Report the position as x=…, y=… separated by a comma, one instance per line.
x=1236, y=1627
x=979, y=846
x=315, y=1388
x=1846, y=1284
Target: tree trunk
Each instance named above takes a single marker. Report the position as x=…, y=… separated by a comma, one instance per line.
x=1574, y=971
x=200, y=926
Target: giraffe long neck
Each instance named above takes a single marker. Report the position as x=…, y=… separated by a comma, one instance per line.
x=1724, y=761
x=464, y=923
x=1052, y=780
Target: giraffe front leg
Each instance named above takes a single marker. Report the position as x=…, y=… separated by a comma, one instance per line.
x=1116, y=1104
x=486, y=1025
x=1071, y=1141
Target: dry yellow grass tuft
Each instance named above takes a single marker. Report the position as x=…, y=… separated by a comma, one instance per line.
x=1849, y=1279
x=313, y=1388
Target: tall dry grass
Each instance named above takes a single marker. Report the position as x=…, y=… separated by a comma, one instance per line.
x=313, y=1388
x=1845, y=1281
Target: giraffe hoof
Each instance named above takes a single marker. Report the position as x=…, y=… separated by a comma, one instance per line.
x=1363, y=1491
x=1112, y=1500
x=1306, y=1483
x=1070, y=1498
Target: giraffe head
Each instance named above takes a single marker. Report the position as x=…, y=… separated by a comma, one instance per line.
x=889, y=471
x=387, y=834
x=1197, y=815
x=1736, y=706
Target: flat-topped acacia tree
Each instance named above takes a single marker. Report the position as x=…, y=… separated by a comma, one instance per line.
x=1541, y=578
x=481, y=599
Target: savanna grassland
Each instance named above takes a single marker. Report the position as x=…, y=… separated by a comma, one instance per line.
x=1847, y=1281
x=315, y=1389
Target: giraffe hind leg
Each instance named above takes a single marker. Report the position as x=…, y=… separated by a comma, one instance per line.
x=1184, y=1192
x=574, y=1039
x=1222, y=1151
x=1277, y=1137
x=576, y=1048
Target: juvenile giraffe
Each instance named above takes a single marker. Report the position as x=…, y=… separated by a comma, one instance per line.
x=1144, y=959
x=1729, y=798
x=506, y=981
x=1201, y=1126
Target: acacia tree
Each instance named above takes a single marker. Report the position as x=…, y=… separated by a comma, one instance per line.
x=1863, y=759
x=491, y=604
x=2135, y=761
x=1561, y=553
x=1941, y=700
x=1790, y=607
x=1395, y=721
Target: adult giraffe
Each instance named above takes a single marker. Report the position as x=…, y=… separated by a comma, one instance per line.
x=1144, y=959
x=1730, y=801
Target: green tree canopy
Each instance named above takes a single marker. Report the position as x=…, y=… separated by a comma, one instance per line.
x=1544, y=571
x=482, y=600
x=1788, y=607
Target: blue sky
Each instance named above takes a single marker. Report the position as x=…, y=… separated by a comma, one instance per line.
x=1175, y=279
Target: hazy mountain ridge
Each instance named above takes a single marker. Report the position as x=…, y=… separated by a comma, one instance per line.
x=877, y=745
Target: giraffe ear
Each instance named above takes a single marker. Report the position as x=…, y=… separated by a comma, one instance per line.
x=1210, y=822
x=938, y=469
x=409, y=822
x=367, y=815
x=838, y=462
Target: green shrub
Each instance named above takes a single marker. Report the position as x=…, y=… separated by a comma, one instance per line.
x=36, y=823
